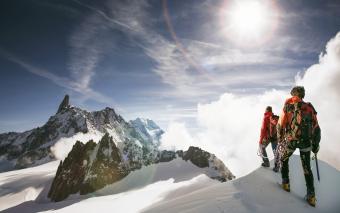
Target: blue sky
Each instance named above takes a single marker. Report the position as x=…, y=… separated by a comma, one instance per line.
x=123, y=54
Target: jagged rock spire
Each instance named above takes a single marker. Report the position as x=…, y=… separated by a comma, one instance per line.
x=81, y=173
x=64, y=104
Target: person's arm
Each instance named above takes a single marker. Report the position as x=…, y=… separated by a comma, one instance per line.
x=315, y=119
x=316, y=137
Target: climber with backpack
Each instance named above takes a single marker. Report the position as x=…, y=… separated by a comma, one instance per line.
x=268, y=135
x=298, y=128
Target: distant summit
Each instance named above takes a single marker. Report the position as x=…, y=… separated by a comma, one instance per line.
x=64, y=104
x=33, y=147
x=148, y=129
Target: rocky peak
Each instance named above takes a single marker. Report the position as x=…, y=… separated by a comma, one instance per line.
x=197, y=156
x=71, y=171
x=87, y=168
x=204, y=159
x=105, y=168
x=64, y=104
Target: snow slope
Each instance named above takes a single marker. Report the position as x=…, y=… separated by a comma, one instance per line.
x=142, y=187
x=25, y=185
x=259, y=192
x=175, y=186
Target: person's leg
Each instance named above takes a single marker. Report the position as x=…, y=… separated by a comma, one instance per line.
x=274, y=146
x=264, y=153
x=285, y=159
x=285, y=171
x=305, y=160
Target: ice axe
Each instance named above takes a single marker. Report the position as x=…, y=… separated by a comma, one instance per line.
x=317, y=166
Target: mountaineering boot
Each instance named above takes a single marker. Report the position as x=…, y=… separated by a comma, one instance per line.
x=310, y=198
x=285, y=185
x=265, y=164
x=276, y=169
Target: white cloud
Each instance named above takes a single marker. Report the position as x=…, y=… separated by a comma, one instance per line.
x=322, y=84
x=176, y=137
x=230, y=126
x=63, y=146
x=89, y=42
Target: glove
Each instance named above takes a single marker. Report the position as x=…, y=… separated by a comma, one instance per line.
x=315, y=148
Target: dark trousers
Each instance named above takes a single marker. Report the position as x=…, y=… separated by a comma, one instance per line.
x=265, y=143
x=305, y=151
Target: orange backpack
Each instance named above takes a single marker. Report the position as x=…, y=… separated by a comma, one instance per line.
x=300, y=126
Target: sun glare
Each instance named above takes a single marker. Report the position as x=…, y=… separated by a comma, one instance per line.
x=248, y=18
x=248, y=21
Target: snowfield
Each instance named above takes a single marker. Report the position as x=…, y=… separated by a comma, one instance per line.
x=176, y=186
x=25, y=185
x=259, y=192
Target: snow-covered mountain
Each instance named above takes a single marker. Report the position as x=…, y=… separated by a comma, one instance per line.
x=148, y=129
x=34, y=147
x=174, y=186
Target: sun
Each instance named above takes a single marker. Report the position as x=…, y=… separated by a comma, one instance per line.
x=248, y=17
x=248, y=20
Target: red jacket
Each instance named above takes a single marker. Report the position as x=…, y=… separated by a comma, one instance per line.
x=265, y=126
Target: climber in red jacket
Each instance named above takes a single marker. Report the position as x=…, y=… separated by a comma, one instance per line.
x=268, y=135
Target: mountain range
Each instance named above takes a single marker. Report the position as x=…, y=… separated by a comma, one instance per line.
x=35, y=147
x=96, y=149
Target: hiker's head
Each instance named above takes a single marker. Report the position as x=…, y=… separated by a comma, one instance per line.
x=298, y=91
x=269, y=109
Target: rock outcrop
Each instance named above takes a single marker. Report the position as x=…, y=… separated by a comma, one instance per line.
x=204, y=159
x=197, y=156
x=87, y=168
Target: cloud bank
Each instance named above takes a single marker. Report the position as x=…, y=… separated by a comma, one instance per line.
x=230, y=126
x=176, y=132
x=63, y=146
x=322, y=83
